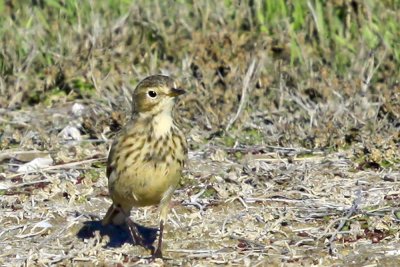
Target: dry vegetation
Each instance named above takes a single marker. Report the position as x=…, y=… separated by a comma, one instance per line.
x=292, y=115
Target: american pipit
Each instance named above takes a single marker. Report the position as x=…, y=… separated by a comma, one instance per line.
x=145, y=162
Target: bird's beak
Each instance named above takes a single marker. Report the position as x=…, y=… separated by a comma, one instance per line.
x=176, y=91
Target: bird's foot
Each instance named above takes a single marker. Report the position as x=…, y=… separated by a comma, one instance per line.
x=156, y=254
x=136, y=236
x=141, y=237
x=149, y=235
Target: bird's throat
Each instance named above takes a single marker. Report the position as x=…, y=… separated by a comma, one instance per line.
x=162, y=124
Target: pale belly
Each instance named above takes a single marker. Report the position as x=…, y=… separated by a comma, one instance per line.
x=145, y=185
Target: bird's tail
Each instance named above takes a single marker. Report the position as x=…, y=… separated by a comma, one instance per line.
x=115, y=215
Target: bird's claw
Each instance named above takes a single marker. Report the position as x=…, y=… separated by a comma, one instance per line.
x=137, y=238
x=156, y=254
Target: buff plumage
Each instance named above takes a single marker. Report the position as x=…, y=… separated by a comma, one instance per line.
x=146, y=160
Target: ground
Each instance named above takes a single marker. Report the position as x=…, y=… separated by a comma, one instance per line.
x=292, y=117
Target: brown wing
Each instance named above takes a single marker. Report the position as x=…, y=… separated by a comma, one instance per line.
x=110, y=163
x=111, y=156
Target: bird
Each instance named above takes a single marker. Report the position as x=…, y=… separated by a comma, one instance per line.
x=146, y=159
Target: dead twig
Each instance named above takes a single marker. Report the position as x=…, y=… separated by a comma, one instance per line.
x=353, y=209
x=246, y=82
x=29, y=183
x=61, y=166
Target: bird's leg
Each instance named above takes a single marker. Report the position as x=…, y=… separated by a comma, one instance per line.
x=164, y=208
x=133, y=229
x=137, y=238
x=157, y=253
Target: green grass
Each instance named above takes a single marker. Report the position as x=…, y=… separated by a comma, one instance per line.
x=55, y=31
x=338, y=28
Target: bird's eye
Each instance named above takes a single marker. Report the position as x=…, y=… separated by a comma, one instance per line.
x=152, y=93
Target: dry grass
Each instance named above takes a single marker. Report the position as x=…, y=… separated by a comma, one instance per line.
x=292, y=119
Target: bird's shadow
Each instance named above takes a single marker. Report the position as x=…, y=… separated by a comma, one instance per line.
x=118, y=234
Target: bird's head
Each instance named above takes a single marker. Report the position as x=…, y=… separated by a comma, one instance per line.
x=155, y=94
